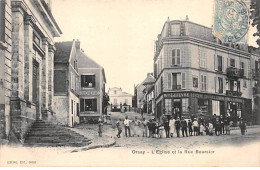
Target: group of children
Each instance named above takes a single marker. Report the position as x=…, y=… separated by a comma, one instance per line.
x=173, y=127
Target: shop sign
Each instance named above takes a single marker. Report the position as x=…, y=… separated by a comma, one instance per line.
x=91, y=93
x=176, y=95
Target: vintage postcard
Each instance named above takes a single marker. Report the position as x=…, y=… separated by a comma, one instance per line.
x=129, y=83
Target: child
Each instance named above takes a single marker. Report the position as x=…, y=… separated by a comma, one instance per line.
x=100, y=127
x=119, y=128
x=201, y=129
x=210, y=129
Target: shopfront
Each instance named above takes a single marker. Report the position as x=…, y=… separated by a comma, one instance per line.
x=187, y=104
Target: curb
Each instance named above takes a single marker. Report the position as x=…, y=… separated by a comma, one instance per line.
x=94, y=147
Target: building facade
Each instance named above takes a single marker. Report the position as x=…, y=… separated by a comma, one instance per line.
x=119, y=100
x=198, y=75
x=27, y=32
x=92, y=88
x=66, y=83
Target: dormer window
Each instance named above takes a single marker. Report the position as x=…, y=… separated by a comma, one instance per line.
x=176, y=29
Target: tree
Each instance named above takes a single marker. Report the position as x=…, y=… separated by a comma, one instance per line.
x=255, y=17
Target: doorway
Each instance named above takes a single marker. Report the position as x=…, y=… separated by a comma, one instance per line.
x=35, y=87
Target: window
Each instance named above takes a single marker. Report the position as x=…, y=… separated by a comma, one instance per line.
x=216, y=107
x=168, y=106
x=115, y=92
x=73, y=81
x=169, y=84
x=176, y=54
x=195, y=82
x=203, y=58
x=176, y=29
x=203, y=83
x=185, y=105
x=161, y=84
x=245, y=84
x=72, y=111
x=232, y=62
x=219, y=63
x=115, y=101
x=176, y=81
x=242, y=67
x=220, y=85
x=88, y=105
x=88, y=81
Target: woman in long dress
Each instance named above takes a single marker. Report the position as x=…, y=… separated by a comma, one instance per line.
x=172, y=126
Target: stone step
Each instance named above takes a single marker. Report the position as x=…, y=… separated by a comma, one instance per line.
x=72, y=144
x=43, y=133
x=54, y=140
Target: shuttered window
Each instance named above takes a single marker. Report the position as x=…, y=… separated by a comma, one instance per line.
x=183, y=78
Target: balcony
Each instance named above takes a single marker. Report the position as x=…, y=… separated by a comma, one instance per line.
x=233, y=93
x=176, y=87
x=234, y=73
x=255, y=74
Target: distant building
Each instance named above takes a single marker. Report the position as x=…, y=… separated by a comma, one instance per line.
x=140, y=90
x=66, y=83
x=119, y=100
x=92, y=88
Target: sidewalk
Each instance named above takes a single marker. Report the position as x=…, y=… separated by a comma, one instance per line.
x=91, y=132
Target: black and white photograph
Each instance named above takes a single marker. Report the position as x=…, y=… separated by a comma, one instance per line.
x=129, y=83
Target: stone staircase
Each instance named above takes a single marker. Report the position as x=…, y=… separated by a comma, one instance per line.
x=52, y=135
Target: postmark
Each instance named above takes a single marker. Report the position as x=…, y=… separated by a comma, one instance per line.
x=231, y=20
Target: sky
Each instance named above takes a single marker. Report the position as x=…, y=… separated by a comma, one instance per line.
x=119, y=34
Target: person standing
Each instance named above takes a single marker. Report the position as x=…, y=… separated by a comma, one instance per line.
x=195, y=125
x=227, y=125
x=144, y=127
x=172, y=126
x=211, y=128
x=149, y=125
x=184, y=126
x=190, y=128
x=100, y=127
x=136, y=127
x=166, y=126
x=217, y=127
x=178, y=126
x=222, y=120
x=127, y=126
x=119, y=127
x=242, y=125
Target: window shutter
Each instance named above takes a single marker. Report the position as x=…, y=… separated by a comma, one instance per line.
x=179, y=79
x=178, y=56
x=93, y=81
x=222, y=62
x=183, y=86
x=216, y=62
x=82, y=105
x=216, y=85
x=206, y=83
x=201, y=82
x=94, y=104
x=169, y=80
x=228, y=62
x=173, y=57
x=82, y=81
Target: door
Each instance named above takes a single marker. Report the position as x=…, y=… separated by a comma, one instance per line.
x=35, y=87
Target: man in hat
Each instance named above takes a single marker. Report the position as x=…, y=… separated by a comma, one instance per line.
x=195, y=125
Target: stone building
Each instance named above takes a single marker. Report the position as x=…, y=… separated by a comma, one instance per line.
x=66, y=83
x=91, y=88
x=119, y=100
x=196, y=74
x=26, y=72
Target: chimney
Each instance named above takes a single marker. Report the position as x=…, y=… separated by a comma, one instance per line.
x=77, y=43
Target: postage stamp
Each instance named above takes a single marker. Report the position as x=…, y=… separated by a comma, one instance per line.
x=231, y=20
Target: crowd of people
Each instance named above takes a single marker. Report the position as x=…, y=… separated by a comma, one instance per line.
x=176, y=127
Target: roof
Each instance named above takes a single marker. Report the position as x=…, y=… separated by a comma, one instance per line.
x=63, y=50
x=148, y=80
x=85, y=61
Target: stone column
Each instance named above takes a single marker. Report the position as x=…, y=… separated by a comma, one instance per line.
x=28, y=56
x=18, y=9
x=51, y=76
x=45, y=77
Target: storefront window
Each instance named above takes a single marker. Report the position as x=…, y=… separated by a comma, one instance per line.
x=168, y=106
x=185, y=105
x=203, y=106
x=216, y=107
